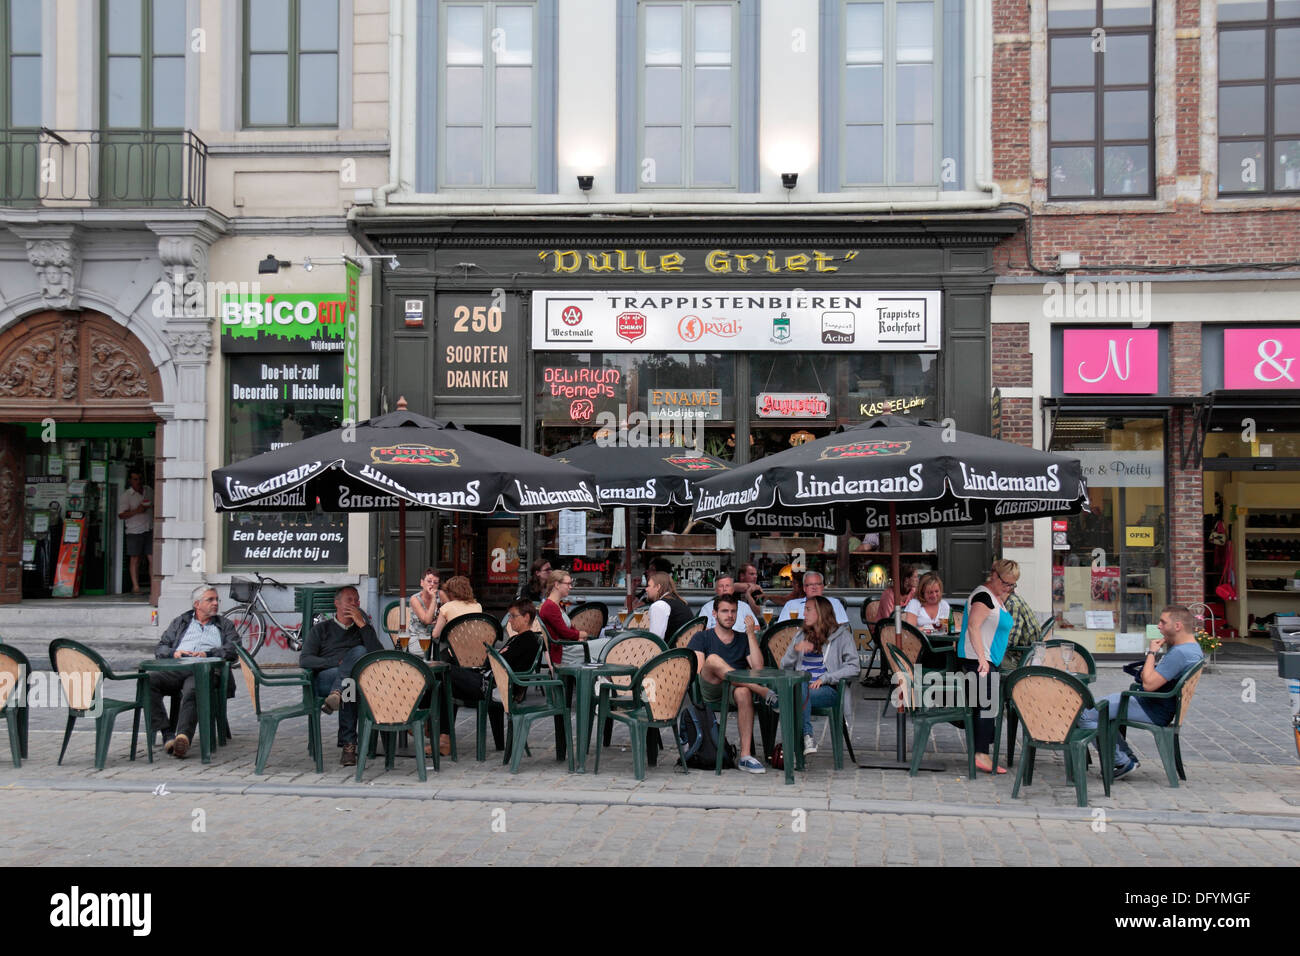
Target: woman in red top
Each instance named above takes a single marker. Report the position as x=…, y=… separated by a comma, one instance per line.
x=557, y=622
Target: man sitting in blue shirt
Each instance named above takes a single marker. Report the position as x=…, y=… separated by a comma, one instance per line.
x=1178, y=630
x=724, y=649
x=201, y=632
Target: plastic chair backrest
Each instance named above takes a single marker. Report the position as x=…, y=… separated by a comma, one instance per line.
x=910, y=642
x=14, y=668
x=501, y=674
x=778, y=638
x=635, y=650
x=590, y=617
x=251, y=673
x=470, y=635
x=664, y=681
x=687, y=631
x=1188, y=690
x=81, y=672
x=392, y=683
x=1048, y=701
x=868, y=609
x=1082, y=663
x=905, y=682
x=393, y=617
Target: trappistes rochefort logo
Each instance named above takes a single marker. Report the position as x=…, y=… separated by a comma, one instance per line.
x=866, y=449
x=414, y=455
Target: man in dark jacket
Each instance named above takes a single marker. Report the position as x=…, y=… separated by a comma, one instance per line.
x=201, y=632
x=330, y=650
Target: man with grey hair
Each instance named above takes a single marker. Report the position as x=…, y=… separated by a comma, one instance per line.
x=200, y=632
x=814, y=585
x=330, y=651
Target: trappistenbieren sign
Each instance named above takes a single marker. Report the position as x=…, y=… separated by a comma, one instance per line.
x=734, y=321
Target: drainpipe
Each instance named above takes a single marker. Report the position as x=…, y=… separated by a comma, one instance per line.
x=396, y=13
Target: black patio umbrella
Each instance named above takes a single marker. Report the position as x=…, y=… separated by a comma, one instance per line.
x=656, y=477
x=890, y=473
x=402, y=460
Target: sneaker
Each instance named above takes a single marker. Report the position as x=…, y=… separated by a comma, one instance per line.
x=750, y=765
x=809, y=745
x=180, y=746
x=349, y=757
x=1124, y=768
x=332, y=702
x=771, y=699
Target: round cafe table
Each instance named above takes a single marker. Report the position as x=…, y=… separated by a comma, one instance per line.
x=202, y=691
x=584, y=677
x=788, y=686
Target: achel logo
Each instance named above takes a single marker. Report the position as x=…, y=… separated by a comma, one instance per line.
x=838, y=328
x=414, y=455
x=694, y=464
x=781, y=329
x=571, y=315
x=866, y=449
x=692, y=328
x=631, y=326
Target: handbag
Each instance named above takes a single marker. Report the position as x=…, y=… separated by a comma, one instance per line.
x=1227, y=587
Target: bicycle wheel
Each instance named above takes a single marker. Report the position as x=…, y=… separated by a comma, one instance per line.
x=250, y=629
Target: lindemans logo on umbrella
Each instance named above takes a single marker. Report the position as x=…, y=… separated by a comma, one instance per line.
x=414, y=455
x=866, y=449
x=691, y=463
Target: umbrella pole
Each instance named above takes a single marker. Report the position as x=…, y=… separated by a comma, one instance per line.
x=401, y=563
x=627, y=556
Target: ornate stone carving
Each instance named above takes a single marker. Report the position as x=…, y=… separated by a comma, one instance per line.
x=29, y=372
x=184, y=260
x=8, y=513
x=68, y=358
x=115, y=372
x=190, y=344
x=58, y=264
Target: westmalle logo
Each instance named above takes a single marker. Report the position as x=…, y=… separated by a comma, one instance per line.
x=866, y=449
x=572, y=315
x=631, y=326
x=688, y=463
x=414, y=455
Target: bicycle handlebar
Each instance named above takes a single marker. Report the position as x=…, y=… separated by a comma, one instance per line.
x=271, y=581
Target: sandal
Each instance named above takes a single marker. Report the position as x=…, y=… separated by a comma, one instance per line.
x=989, y=768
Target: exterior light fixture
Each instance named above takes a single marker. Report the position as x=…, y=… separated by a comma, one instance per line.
x=271, y=265
x=585, y=183
x=789, y=180
x=1068, y=260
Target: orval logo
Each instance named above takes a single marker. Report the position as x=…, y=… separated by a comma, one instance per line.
x=781, y=329
x=866, y=449
x=414, y=455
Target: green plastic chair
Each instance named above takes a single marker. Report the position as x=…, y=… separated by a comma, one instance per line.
x=1082, y=666
x=83, y=672
x=1048, y=702
x=634, y=649
x=1171, y=751
x=925, y=717
x=469, y=636
x=774, y=640
x=522, y=716
x=562, y=643
x=682, y=636
x=268, y=721
x=396, y=691
x=14, y=670
x=591, y=617
x=658, y=690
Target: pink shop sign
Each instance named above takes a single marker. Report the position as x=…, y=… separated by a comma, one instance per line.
x=1261, y=358
x=1111, y=361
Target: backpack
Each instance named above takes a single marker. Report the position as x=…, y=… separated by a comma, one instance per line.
x=697, y=729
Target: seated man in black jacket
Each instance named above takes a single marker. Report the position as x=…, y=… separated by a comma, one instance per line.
x=200, y=632
x=330, y=650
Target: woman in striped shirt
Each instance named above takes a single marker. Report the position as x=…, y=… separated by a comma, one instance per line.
x=825, y=649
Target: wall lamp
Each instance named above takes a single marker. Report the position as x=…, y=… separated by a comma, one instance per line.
x=271, y=265
x=789, y=180
x=585, y=183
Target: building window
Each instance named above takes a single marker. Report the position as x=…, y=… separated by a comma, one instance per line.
x=291, y=63
x=889, y=94
x=489, y=100
x=1100, y=99
x=20, y=99
x=144, y=85
x=1259, y=96
x=689, y=95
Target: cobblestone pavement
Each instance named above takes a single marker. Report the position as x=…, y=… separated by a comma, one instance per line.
x=226, y=829
x=1243, y=778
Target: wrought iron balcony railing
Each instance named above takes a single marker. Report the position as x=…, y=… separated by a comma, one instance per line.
x=112, y=167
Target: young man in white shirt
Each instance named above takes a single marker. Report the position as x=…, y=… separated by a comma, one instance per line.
x=137, y=529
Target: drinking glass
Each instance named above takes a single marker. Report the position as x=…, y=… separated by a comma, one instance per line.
x=767, y=616
x=622, y=619
x=403, y=639
x=1067, y=654
x=424, y=646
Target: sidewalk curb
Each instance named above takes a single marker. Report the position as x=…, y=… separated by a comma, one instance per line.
x=689, y=801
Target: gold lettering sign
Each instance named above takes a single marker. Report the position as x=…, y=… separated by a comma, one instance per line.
x=718, y=261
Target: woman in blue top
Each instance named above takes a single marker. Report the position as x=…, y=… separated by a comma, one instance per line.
x=825, y=650
x=985, y=628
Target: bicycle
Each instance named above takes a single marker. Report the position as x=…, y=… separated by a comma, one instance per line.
x=251, y=615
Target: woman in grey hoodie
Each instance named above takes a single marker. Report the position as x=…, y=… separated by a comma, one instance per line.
x=825, y=650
